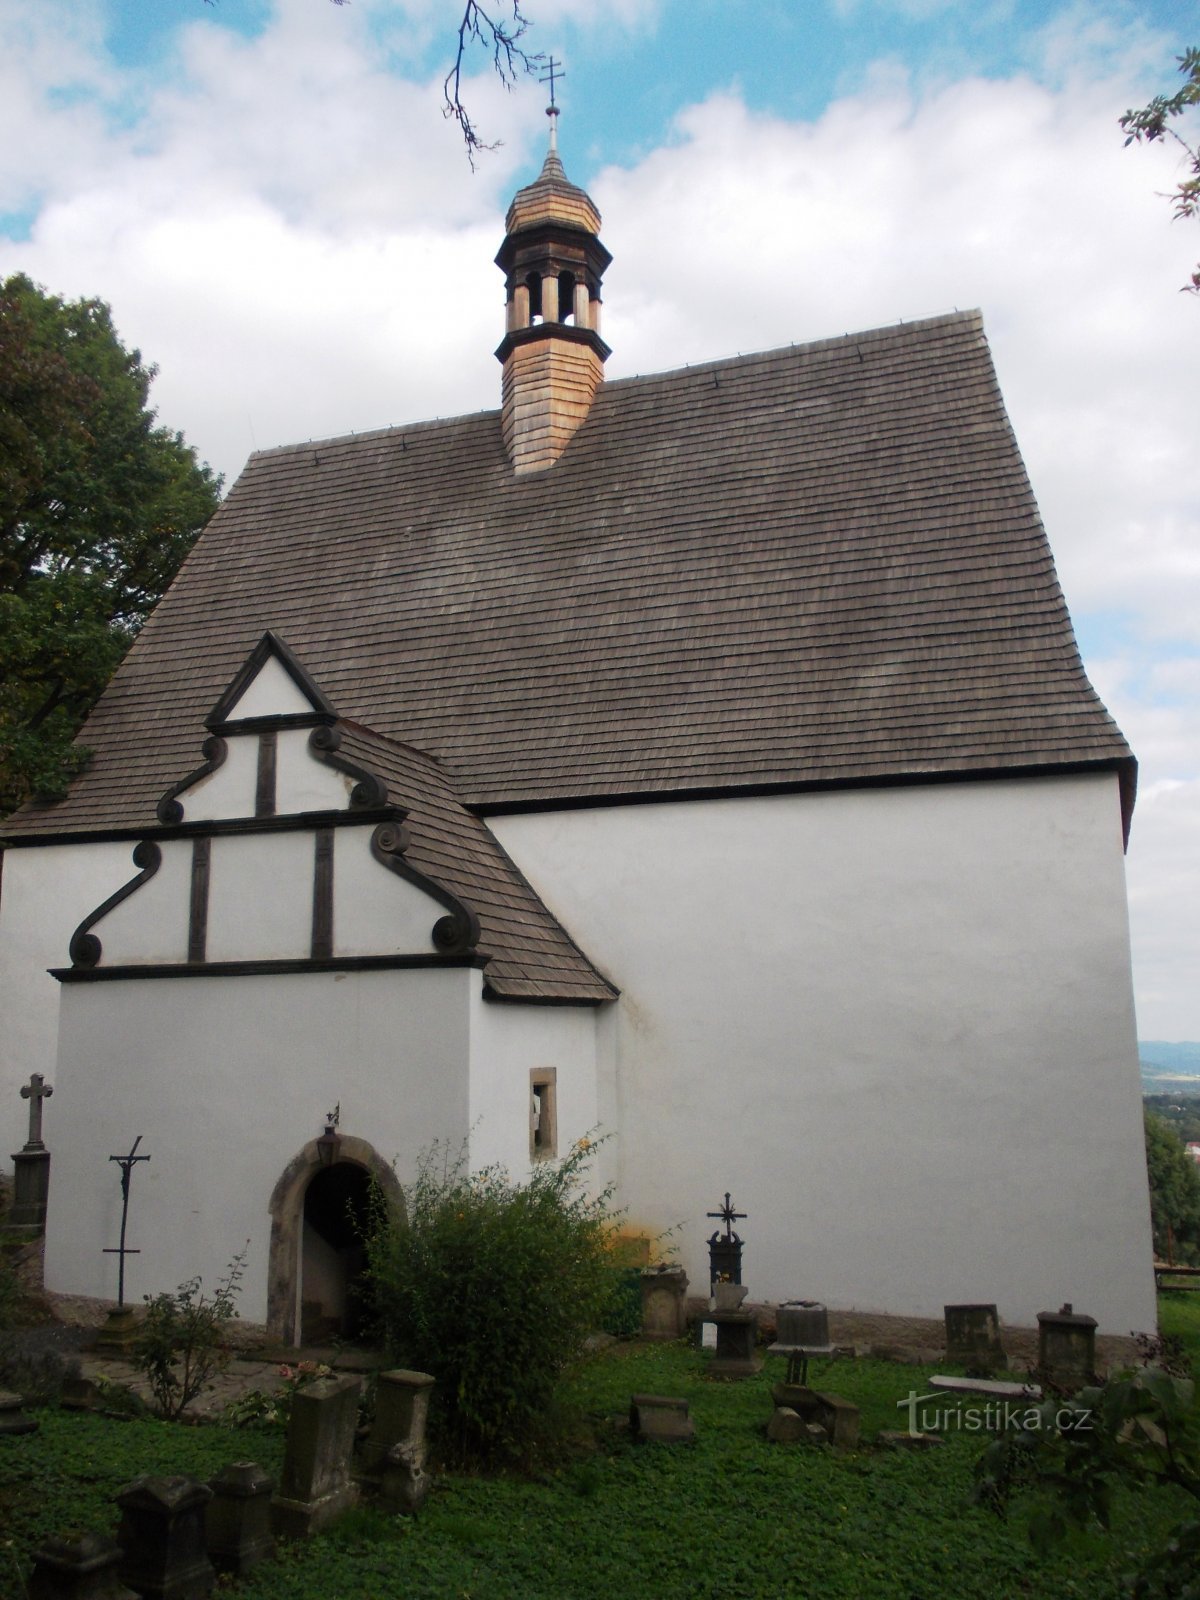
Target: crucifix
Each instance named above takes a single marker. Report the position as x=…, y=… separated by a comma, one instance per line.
x=126, y=1164
x=35, y=1091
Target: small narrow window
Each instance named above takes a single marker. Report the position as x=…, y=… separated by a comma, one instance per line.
x=543, y=1113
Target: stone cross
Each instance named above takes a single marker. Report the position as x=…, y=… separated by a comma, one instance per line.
x=35, y=1091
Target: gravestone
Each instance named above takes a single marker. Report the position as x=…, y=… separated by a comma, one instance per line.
x=660, y=1419
x=12, y=1418
x=833, y=1418
x=735, y=1355
x=163, y=1554
x=316, y=1487
x=83, y=1568
x=1067, y=1347
x=664, y=1302
x=238, y=1519
x=973, y=1339
x=31, y=1165
x=394, y=1456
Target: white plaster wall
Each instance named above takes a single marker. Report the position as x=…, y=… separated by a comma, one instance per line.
x=272, y=692
x=376, y=912
x=227, y=1079
x=507, y=1041
x=229, y=790
x=152, y=925
x=260, y=896
x=302, y=783
x=45, y=893
x=896, y=1024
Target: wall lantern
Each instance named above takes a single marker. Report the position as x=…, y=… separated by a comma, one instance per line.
x=329, y=1143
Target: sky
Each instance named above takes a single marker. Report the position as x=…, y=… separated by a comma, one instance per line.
x=268, y=195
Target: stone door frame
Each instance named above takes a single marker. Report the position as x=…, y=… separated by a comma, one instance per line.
x=286, y=1207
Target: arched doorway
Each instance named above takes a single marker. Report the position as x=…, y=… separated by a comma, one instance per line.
x=316, y=1264
x=333, y=1253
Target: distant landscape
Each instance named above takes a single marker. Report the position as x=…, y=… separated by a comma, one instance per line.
x=1169, y=1068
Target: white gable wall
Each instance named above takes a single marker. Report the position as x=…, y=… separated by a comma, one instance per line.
x=227, y=1079
x=272, y=692
x=45, y=893
x=896, y=1024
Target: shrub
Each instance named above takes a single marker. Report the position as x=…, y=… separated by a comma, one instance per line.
x=179, y=1347
x=493, y=1287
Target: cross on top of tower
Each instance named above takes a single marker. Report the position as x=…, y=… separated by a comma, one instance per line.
x=553, y=69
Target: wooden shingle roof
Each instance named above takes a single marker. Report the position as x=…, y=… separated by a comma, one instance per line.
x=529, y=956
x=819, y=565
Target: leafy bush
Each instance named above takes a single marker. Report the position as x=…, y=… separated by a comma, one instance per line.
x=179, y=1347
x=1140, y=1428
x=493, y=1287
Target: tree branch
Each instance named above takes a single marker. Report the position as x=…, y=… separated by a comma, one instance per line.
x=502, y=36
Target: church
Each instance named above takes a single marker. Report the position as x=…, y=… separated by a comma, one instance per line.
x=701, y=764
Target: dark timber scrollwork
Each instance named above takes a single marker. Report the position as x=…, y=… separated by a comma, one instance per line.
x=453, y=934
x=369, y=791
x=85, y=949
x=214, y=750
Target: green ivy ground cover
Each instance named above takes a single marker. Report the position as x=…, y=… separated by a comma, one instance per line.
x=729, y=1516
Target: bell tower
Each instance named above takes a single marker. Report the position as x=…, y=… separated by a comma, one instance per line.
x=552, y=353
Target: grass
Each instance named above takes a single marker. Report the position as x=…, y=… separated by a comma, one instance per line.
x=730, y=1516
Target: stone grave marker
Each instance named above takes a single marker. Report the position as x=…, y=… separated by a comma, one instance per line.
x=82, y=1568
x=238, y=1520
x=316, y=1486
x=12, y=1418
x=163, y=1554
x=664, y=1302
x=660, y=1419
x=394, y=1457
x=1067, y=1347
x=973, y=1340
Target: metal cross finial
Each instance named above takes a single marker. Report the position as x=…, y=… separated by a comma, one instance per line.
x=727, y=1215
x=35, y=1091
x=552, y=68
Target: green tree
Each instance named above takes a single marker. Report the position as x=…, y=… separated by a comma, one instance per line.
x=1155, y=122
x=1174, y=1193
x=98, y=507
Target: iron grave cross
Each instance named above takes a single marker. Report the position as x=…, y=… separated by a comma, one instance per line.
x=35, y=1091
x=126, y=1164
x=728, y=1216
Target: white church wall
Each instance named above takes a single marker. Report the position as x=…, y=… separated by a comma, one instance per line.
x=375, y=911
x=508, y=1041
x=152, y=924
x=260, y=897
x=227, y=1079
x=45, y=893
x=228, y=791
x=896, y=1024
x=302, y=783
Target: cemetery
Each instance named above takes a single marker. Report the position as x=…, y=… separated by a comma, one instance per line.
x=726, y=1445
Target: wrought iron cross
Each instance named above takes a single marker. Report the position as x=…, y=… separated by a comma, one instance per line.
x=552, y=67
x=727, y=1215
x=35, y=1091
x=126, y=1164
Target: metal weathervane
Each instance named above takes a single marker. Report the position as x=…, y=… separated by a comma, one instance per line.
x=126, y=1164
